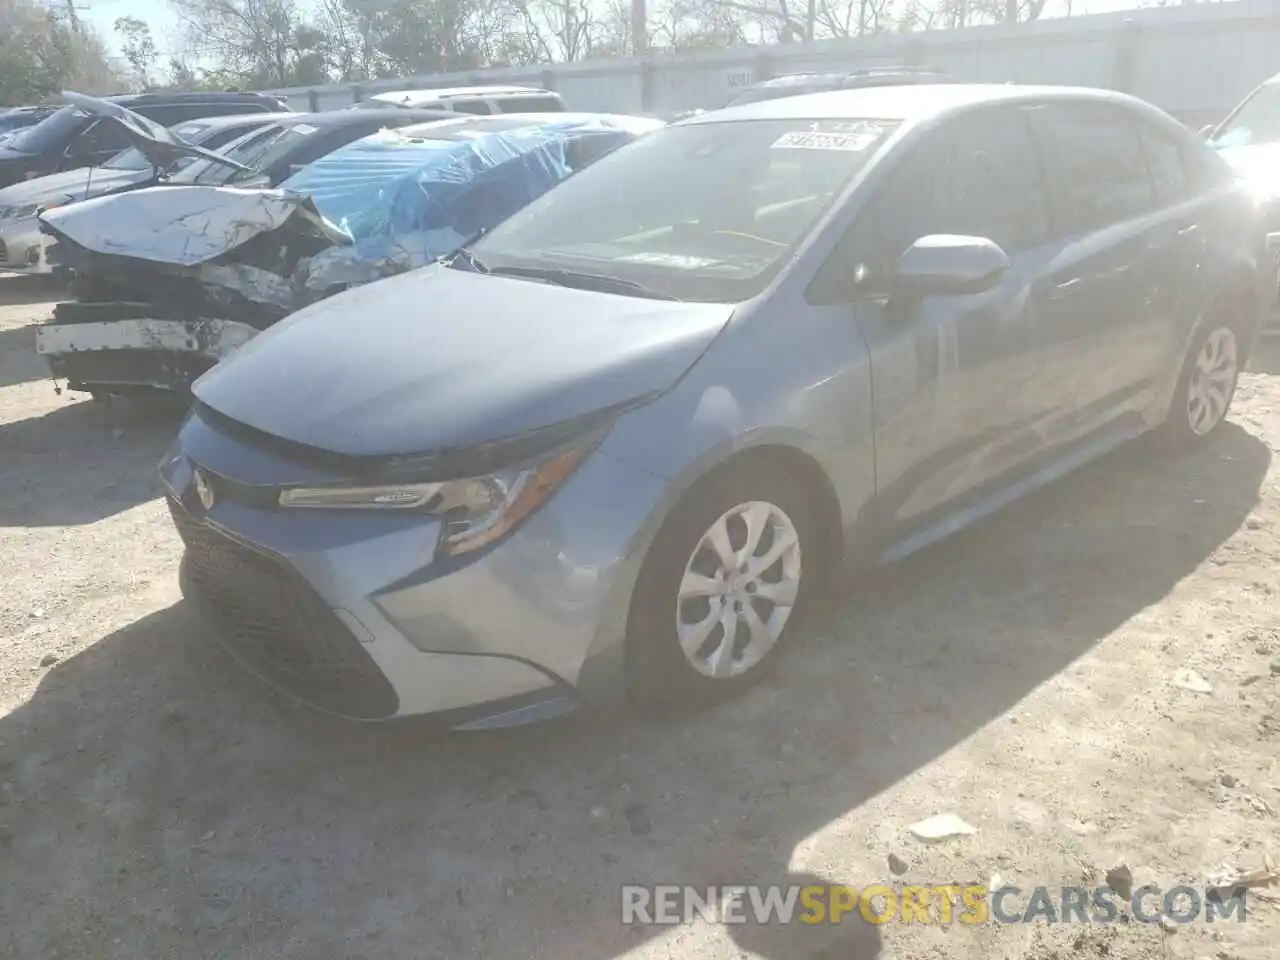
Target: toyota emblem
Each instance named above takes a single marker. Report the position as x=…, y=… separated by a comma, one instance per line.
x=204, y=490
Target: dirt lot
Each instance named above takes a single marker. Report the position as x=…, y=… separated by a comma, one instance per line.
x=156, y=802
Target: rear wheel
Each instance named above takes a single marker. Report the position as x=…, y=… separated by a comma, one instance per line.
x=720, y=589
x=1206, y=386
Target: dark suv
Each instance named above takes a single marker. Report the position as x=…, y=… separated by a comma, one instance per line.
x=70, y=138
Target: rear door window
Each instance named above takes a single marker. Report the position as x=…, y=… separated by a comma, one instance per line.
x=1166, y=165
x=1095, y=165
x=219, y=137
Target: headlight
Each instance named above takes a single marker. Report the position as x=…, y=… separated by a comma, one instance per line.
x=475, y=511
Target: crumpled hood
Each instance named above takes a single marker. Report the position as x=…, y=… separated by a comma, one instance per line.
x=183, y=225
x=71, y=184
x=441, y=359
x=1258, y=163
x=158, y=144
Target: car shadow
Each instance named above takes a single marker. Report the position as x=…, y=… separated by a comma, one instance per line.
x=19, y=362
x=21, y=290
x=82, y=462
x=156, y=795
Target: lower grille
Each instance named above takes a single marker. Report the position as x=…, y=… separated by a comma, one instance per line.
x=4, y=253
x=276, y=624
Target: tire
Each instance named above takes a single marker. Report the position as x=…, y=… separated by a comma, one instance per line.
x=1206, y=386
x=660, y=674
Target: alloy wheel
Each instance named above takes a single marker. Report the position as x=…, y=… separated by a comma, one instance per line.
x=738, y=590
x=1213, y=381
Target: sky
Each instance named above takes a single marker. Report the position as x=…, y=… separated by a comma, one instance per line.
x=156, y=13
x=167, y=31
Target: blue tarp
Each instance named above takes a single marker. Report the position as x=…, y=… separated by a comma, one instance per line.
x=400, y=195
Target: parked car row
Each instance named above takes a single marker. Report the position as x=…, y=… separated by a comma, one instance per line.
x=172, y=277
x=497, y=416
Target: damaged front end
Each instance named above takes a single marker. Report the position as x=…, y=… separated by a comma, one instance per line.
x=171, y=279
x=212, y=268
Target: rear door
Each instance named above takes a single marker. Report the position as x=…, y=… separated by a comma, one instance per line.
x=1098, y=304
x=1179, y=241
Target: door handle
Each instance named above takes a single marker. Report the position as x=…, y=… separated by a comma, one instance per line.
x=1187, y=229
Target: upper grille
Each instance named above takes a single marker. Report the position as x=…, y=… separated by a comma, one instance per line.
x=278, y=625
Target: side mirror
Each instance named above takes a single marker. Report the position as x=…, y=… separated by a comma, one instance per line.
x=944, y=264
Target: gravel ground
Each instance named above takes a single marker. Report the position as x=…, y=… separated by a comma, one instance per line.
x=157, y=802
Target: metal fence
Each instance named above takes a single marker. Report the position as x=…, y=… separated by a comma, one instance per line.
x=1193, y=61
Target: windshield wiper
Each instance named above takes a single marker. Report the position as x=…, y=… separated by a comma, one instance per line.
x=466, y=256
x=585, y=281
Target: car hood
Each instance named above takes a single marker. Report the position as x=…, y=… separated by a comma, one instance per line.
x=73, y=184
x=441, y=360
x=158, y=144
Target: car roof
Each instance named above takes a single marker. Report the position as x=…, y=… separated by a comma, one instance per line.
x=221, y=121
x=798, y=80
x=210, y=96
x=916, y=101
x=343, y=118
x=497, y=123
x=449, y=93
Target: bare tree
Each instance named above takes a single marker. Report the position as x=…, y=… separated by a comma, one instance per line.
x=258, y=40
x=138, y=47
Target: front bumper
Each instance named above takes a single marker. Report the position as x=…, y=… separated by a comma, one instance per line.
x=23, y=248
x=137, y=353
x=351, y=613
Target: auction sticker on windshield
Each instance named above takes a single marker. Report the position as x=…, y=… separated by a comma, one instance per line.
x=834, y=136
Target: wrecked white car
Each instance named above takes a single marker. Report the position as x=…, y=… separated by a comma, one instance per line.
x=174, y=278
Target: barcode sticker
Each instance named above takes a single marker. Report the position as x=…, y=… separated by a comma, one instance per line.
x=813, y=140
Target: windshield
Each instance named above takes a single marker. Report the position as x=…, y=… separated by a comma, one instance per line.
x=52, y=131
x=699, y=212
x=257, y=151
x=131, y=159
x=1257, y=120
x=134, y=159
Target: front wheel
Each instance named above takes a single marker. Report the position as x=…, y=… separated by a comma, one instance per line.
x=1205, y=388
x=720, y=589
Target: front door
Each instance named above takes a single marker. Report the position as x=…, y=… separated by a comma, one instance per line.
x=954, y=397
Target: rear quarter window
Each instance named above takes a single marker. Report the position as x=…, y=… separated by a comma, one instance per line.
x=467, y=106
x=530, y=104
